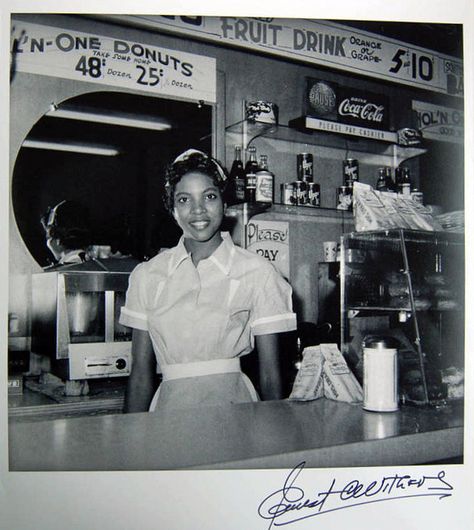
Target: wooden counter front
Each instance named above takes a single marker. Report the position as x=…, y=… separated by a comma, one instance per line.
x=272, y=434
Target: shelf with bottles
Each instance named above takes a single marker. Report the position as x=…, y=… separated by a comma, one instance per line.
x=296, y=213
x=368, y=150
x=311, y=211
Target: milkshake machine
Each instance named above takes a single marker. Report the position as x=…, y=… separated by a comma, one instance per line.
x=75, y=312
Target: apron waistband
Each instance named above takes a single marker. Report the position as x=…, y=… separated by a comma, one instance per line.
x=215, y=366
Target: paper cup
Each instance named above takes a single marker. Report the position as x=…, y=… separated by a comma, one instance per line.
x=330, y=250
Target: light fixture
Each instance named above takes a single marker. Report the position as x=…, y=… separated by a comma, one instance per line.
x=112, y=118
x=71, y=147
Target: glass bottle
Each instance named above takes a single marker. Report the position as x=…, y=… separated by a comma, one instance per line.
x=403, y=181
x=265, y=182
x=406, y=182
x=251, y=168
x=389, y=182
x=399, y=178
x=237, y=176
x=382, y=180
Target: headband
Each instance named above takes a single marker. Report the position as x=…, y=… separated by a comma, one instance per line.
x=192, y=152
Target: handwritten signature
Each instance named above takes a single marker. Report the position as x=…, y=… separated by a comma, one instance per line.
x=291, y=504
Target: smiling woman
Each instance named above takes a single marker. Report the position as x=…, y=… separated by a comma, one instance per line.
x=199, y=211
x=194, y=188
x=197, y=308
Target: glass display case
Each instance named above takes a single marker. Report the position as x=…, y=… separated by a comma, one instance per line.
x=408, y=285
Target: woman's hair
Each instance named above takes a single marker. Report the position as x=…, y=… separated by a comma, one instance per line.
x=68, y=221
x=192, y=160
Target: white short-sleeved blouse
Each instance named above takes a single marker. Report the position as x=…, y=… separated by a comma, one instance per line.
x=212, y=311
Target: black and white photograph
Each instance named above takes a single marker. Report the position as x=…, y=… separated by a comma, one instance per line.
x=236, y=266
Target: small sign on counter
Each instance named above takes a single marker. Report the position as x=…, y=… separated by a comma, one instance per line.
x=271, y=240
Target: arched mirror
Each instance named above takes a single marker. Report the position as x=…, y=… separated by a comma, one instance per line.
x=106, y=151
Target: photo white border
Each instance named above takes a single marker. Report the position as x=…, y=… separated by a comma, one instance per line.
x=223, y=499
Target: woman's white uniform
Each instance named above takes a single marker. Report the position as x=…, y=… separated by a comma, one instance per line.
x=202, y=319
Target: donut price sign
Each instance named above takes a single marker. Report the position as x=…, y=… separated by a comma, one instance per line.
x=69, y=54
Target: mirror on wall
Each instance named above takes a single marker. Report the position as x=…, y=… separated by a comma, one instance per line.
x=106, y=151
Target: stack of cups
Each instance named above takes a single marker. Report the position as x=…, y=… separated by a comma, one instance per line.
x=330, y=251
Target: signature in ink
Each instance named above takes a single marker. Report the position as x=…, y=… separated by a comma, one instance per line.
x=291, y=504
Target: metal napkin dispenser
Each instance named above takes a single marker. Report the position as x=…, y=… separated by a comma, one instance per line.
x=75, y=320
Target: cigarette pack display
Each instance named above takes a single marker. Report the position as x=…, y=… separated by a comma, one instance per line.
x=378, y=210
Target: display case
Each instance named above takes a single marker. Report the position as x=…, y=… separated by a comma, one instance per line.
x=409, y=285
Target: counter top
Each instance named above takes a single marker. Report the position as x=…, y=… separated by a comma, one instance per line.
x=271, y=434
x=41, y=402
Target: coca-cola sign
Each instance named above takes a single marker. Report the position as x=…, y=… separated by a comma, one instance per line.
x=358, y=108
x=362, y=108
x=346, y=105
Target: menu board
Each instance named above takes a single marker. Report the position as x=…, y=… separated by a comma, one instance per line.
x=324, y=43
x=69, y=54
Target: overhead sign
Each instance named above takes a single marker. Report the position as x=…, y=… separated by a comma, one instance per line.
x=439, y=123
x=270, y=239
x=323, y=43
x=346, y=105
x=80, y=56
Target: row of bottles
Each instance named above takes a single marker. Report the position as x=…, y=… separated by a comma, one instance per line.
x=253, y=183
x=402, y=184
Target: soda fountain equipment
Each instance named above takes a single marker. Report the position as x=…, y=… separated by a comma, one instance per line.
x=75, y=319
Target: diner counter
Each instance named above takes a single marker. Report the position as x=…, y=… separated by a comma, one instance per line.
x=36, y=406
x=271, y=434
